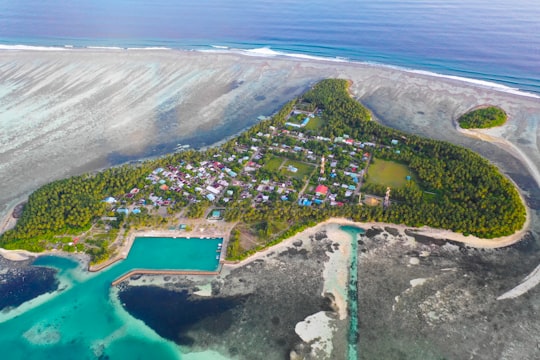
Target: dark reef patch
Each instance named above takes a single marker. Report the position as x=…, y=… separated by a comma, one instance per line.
x=425, y=240
x=392, y=231
x=253, y=309
x=373, y=232
x=21, y=282
x=172, y=314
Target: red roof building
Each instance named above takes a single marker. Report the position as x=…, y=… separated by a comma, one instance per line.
x=321, y=190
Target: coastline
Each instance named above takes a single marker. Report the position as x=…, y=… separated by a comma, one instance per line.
x=417, y=97
x=503, y=144
x=212, y=111
x=8, y=221
x=267, y=52
x=441, y=234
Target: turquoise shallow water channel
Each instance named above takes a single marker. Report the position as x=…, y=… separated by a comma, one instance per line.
x=84, y=319
x=352, y=292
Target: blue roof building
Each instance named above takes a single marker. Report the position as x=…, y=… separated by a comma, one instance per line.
x=292, y=169
x=230, y=172
x=304, y=202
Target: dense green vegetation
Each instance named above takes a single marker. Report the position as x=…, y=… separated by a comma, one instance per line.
x=69, y=206
x=483, y=118
x=467, y=194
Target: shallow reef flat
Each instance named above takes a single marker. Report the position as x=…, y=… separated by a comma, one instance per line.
x=67, y=112
x=432, y=299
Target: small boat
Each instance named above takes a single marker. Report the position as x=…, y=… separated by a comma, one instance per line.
x=217, y=257
x=181, y=147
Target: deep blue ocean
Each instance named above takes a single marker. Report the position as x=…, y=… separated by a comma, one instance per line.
x=488, y=40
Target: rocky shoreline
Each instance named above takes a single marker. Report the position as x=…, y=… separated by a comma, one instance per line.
x=432, y=299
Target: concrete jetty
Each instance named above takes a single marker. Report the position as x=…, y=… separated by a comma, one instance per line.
x=161, y=272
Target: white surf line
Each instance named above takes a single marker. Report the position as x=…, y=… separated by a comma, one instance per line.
x=533, y=279
x=526, y=284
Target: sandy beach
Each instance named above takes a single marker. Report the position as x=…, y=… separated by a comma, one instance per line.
x=16, y=255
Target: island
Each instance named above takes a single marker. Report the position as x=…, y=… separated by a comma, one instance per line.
x=320, y=157
x=483, y=117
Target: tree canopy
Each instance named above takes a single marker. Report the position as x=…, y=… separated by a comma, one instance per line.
x=483, y=118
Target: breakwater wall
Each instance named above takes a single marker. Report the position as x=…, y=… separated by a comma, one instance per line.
x=103, y=265
x=161, y=272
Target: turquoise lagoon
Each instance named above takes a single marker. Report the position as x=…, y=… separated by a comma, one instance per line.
x=84, y=320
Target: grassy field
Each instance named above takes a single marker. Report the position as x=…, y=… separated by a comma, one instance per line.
x=387, y=173
x=297, y=119
x=273, y=164
x=315, y=123
x=303, y=169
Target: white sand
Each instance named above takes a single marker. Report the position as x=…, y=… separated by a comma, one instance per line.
x=16, y=255
x=285, y=244
x=204, y=290
x=7, y=222
x=418, y=282
x=531, y=281
x=317, y=330
x=335, y=273
x=441, y=234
